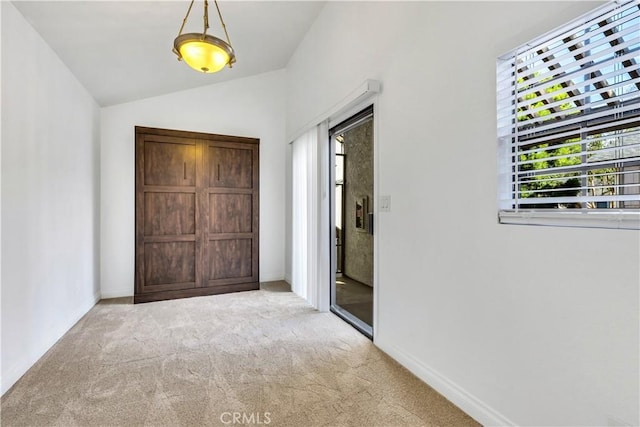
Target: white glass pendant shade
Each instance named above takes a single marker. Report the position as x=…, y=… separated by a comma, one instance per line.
x=206, y=54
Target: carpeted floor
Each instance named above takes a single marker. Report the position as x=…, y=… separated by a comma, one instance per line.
x=259, y=357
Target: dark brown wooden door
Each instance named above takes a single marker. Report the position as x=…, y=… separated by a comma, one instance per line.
x=233, y=221
x=197, y=212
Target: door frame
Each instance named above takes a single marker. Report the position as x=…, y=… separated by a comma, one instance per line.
x=328, y=160
x=362, y=96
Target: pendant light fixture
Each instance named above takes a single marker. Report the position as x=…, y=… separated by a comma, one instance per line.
x=204, y=52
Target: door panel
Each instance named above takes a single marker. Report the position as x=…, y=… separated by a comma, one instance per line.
x=230, y=259
x=233, y=213
x=169, y=214
x=170, y=262
x=230, y=167
x=169, y=164
x=230, y=213
x=197, y=215
x=352, y=211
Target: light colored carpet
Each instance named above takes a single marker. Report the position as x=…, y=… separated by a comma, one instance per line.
x=264, y=355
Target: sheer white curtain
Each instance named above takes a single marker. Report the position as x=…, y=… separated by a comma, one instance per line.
x=310, y=239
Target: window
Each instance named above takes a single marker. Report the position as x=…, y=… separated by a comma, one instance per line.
x=569, y=123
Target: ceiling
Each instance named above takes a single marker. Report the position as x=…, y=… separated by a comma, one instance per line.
x=121, y=50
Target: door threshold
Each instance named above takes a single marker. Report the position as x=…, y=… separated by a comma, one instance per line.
x=359, y=325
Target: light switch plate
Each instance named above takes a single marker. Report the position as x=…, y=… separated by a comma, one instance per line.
x=385, y=203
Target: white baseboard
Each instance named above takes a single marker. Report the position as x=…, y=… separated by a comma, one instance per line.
x=472, y=406
x=271, y=277
x=117, y=293
x=128, y=292
x=16, y=372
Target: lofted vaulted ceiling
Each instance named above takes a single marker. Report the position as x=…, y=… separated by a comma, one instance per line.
x=121, y=50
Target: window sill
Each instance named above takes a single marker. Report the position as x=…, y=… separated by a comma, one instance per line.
x=623, y=220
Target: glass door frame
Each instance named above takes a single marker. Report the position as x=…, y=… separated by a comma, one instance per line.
x=360, y=116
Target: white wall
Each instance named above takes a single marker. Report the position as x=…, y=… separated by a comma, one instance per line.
x=251, y=107
x=515, y=324
x=50, y=196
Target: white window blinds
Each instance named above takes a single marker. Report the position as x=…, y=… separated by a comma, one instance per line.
x=569, y=116
x=310, y=263
x=303, y=197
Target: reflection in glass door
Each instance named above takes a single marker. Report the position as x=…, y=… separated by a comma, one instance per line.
x=352, y=212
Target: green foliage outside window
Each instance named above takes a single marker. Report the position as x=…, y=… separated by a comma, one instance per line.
x=600, y=181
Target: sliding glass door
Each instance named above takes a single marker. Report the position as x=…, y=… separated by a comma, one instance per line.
x=352, y=220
